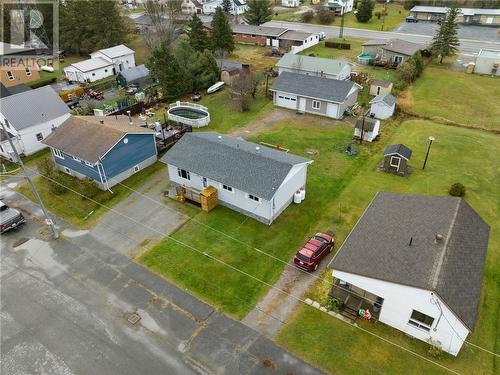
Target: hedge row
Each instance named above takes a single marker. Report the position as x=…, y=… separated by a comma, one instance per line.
x=42, y=82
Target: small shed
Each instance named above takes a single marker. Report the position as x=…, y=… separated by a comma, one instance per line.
x=396, y=158
x=383, y=106
x=380, y=87
x=367, y=127
x=138, y=76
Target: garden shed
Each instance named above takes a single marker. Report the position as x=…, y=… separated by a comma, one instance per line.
x=137, y=76
x=366, y=127
x=396, y=158
x=383, y=106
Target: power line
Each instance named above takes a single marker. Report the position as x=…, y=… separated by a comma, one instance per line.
x=249, y=275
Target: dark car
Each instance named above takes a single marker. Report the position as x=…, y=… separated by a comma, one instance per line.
x=10, y=218
x=313, y=251
x=411, y=19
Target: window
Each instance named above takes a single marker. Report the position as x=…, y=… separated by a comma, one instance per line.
x=93, y=74
x=316, y=104
x=228, y=188
x=67, y=170
x=394, y=162
x=39, y=136
x=205, y=183
x=378, y=90
x=253, y=197
x=28, y=71
x=76, y=159
x=105, y=70
x=420, y=320
x=58, y=153
x=89, y=164
x=398, y=59
x=10, y=76
x=136, y=168
x=183, y=174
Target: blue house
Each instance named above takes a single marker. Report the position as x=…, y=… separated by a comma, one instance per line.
x=106, y=149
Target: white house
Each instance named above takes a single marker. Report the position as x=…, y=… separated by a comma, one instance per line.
x=340, y=6
x=120, y=56
x=417, y=263
x=257, y=181
x=29, y=117
x=315, y=66
x=383, y=106
x=237, y=6
x=312, y=94
x=488, y=62
x=290, y=3
x=89, y=70
x=295, y=41
x=368, y=127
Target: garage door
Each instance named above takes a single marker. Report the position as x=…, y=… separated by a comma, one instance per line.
x=286, y=101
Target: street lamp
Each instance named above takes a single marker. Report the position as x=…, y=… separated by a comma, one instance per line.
x=431, y=139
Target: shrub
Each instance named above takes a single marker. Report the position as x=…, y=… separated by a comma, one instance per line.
x=378, y=15
x=88, y=187
x=434, y=349
x=307, y=16
x=51, y=175
x=457, y=190
x=325, y=16
x=42, y=82
x=365, y=11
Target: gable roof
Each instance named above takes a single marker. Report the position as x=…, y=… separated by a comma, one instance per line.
x=386, y=98
x=298, y=36
x=91, y=64
x=396, y=45
x=12, y=90
x=32, y=107
x=116, y=51
x=378, y=247
x=88, y=139
x=233, y=161
x=311, y=64
x=331, y=90
x=228, y=65
x=381, y=83
x=253, y=30
x=464, y=11
x=398, y=149
x=369, y=123
x=135, y=73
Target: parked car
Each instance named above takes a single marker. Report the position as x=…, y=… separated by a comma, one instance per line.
x=411, y=19
x=313, y=251
x=10, y=218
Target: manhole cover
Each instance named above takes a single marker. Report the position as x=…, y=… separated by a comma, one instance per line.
x=133, y=318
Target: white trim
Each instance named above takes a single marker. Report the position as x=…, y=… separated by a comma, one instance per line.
x=310, y=97
x=396, y=153
x=76, y=158
x=27, y=70
x=10, y=75
x=67, y=170
x=318, y=102
x=57, y=153
x=395, y=165
x=253, y=198
x=179, y=173
x=227, y=188
x=137, y=168
x=89, y=164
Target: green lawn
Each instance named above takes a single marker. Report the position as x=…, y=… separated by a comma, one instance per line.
x=142, y=51
x=83, y=212
x=467, y=99
x=331, y=170
x=457, y=155
x=395, y=16
x=58, y=69
x=256, y=56
x=320, y=50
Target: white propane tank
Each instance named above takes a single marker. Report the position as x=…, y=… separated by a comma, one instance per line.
x=297, y=197
x=302, y=193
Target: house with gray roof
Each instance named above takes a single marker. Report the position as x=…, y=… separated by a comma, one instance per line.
x=390, y=51
x=470, y=16
x=418, y=262
x=383, y=106
x=253, y=179
x=315, y=66
x=30, y=116
x=137, y=76
x=311, y=94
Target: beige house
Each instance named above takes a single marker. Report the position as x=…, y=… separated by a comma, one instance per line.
x=378, y=87
x=17, y=65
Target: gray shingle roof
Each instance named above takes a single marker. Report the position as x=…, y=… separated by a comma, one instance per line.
x=311, y=64
x=396, y=45
x=116, y=51
x=297, y=36
x=88, y=139
x=32, y=107
x=253, y=30
x=331, y=90
x=233, y=161
x=398, y=149
x=387, y=98
x=378, y=247
x=135, y=73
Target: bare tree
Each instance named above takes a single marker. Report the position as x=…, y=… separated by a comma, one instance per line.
x=242, y=89
x=164, y=17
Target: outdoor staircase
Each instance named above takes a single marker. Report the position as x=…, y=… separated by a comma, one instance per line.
x=351, y=307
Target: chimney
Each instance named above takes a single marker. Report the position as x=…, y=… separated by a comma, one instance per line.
x=129, y=118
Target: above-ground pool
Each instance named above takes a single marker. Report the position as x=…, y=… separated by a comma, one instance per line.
x=365, y=58
x=188, y=113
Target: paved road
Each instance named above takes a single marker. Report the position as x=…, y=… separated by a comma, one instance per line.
x=466, y=45
x=65, y=303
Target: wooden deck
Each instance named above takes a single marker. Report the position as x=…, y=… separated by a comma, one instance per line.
x=351, y=301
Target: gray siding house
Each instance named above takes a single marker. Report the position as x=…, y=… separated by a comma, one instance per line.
x=255, y=180
x=391, y=51
x=316, y=95
x=315, y=66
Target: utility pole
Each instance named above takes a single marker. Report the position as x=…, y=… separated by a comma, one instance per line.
x=48, y=220
x=383, y=16
x=341, y=32
x=431, y=139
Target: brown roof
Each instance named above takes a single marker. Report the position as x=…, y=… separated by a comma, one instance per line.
x=381, y=83
x=369, y=124
x=396, y=45
x=87, y=138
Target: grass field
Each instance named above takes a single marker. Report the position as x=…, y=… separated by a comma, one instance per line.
x=456, y=156
x=253, y=55
x=77, y=210
x=467, y=99
x=326, y=177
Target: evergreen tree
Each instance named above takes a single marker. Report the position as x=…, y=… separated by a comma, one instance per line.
x=86, y=25
x=165, y=70
x=226, y=6
x=365, y=11
x=445, y=42
x=258, y=12
x=222, y=35
x=198, y=38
